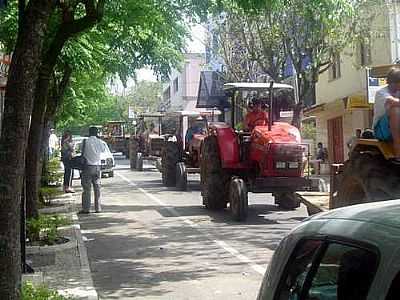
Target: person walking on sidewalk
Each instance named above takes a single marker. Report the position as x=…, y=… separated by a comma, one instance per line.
x=91, y=173
x=67, y=150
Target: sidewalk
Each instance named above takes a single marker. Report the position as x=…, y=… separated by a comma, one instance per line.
x=67, y=270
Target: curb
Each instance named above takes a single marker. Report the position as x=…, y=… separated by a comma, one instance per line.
x=90, y=291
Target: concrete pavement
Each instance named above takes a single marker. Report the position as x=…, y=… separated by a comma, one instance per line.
x=152, y=242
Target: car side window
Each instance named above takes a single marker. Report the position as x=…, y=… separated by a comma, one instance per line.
x=299, y=266
x=322, y=270
x=344, y=272
x=394, y=291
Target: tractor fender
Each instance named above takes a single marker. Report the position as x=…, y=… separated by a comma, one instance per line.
x=227, y=142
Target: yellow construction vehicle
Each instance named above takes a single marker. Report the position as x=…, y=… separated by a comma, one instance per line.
x=367, y=176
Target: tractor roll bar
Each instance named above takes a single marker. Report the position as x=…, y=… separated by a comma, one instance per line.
x=270, y=114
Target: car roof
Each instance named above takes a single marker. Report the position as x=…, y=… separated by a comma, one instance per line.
x=255, y=85
x=385, y=213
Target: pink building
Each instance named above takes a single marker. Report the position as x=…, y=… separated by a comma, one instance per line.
x=180, y=93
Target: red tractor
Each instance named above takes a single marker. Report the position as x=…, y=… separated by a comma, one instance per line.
x=269, y=159
x=181, y=153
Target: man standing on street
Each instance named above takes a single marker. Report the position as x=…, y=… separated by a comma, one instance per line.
x=91, y=173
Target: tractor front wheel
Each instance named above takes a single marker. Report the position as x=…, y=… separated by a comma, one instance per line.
x=367, y=178
x=169, y=158
x=181, y=176
x=214, y=179
x=287, y=200
x=133, y=149
x=238, y=199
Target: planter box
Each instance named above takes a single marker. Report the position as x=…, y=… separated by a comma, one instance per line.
x=46, y=255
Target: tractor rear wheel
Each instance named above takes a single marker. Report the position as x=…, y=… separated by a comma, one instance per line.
x=238, y=199
x=214, y=179
x=169, y=158
x=139, y=161
x=181, y=176
x=287, y=200
x=367, y=178
x=133, y=147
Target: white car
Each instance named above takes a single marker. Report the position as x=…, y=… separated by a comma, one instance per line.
x=351, y=253
x=107, y=159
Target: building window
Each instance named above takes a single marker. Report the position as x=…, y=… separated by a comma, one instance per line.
x=334, y=70
x=176, y=85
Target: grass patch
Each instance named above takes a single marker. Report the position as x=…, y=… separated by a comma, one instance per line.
x=44, y=230
x=29, y=292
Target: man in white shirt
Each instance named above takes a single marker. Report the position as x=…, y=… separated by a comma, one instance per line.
x=91, y=150
x=386, y=122
x=53, y=142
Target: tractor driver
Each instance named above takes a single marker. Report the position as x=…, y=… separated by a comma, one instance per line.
x=386, y=122
x=196, y=127
x=257, y=116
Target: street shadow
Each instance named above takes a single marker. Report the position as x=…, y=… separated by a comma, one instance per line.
x=128, y=265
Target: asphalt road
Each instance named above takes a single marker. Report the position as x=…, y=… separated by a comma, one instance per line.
x=152, y=242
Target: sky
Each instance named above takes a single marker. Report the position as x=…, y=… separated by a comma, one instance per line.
x=195, y=45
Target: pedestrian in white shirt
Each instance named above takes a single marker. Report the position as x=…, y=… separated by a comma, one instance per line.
x=53, y=142
x=91, y=173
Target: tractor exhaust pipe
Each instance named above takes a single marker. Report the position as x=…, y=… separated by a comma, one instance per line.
x=270, y=114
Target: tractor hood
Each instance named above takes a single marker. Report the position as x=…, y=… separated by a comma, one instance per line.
x=280, y=133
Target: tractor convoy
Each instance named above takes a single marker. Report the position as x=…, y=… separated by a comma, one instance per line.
x=233, y=160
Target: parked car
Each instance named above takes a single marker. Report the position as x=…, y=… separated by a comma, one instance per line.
x=107, y=159
x=350, y=253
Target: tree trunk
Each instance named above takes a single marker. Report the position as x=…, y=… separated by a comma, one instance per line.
x=33, y=157
x=17, y=110
x=45, y=153
x=66, y=30
x=46, y=103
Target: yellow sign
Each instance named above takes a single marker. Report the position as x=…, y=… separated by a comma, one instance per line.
x=357, y=101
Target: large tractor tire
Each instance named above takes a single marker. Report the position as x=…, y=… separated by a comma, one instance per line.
x=181, y=176
x=367, y=178
x=169, y=158
x=133, y=148
x=238, y=199
x=214, y=180
x=287, y=200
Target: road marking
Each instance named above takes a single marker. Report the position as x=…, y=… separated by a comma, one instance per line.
x=223, y=245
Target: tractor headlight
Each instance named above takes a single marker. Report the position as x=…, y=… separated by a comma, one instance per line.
x=280, y=165
x=293, y=165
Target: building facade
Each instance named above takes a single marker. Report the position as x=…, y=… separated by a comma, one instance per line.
x=180, y=93
x=342, y=104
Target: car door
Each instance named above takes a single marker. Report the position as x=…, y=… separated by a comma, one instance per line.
x=328, y=269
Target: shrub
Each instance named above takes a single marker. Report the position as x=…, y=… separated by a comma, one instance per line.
x=44, y=229
x=53, y=175
x=29, y=292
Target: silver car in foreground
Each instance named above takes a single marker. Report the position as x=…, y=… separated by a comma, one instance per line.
x=350, y=253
